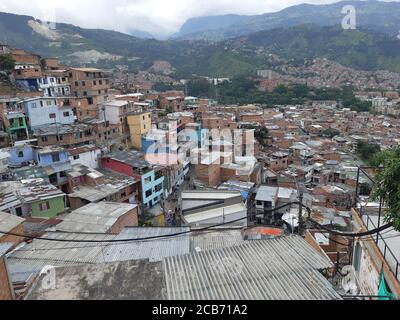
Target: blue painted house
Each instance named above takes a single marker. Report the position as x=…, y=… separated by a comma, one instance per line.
x=132, y=163
x=56, y=162
x=20, y=156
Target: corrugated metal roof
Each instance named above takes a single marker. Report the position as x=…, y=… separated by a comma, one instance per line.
x=40, y=253
x=215, y=239
x=222, y=213
x=154, y=249
x=266, y=193
x=9, y=221
x=284, y=268
x=95, y=217
x=4, y=247
x=209, y=195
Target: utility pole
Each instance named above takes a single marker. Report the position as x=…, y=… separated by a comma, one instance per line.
x=300, y=222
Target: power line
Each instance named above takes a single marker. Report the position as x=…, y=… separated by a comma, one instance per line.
x=351, y=234
x=139, y=239
x=185, y=232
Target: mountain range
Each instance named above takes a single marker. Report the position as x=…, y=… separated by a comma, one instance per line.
x=374, y=15
x=365, y=48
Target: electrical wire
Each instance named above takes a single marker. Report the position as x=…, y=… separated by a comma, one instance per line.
x=179, y=233
x=144, y=238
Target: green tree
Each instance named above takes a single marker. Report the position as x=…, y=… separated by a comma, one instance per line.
x=199, y=87
x=6, y=63
x=330, y=132
x=261, y=133
x=367, y=151
x=387, y=184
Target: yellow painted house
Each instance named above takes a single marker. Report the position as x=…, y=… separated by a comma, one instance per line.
x=139, y=124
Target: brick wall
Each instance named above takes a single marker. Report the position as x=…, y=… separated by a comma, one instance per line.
x=209, y=174
x=13, y=239
x=6, y=292
x=130, y=219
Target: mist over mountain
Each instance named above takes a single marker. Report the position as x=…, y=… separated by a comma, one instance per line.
x=374, y=15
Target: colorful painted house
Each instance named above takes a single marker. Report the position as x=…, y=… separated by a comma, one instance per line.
x=139, y=123
x=55, y=161
x=132, y=163
x=33, y=198
x=16, y=126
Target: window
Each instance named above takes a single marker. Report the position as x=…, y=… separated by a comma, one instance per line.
x=148, y=193
x=147, y=180
x=76, y=83
x=83, y=83
x=55, y=157
x=33, y=105
x=100, y=82
x=52, y=115
x=20, y=154
x=44, y=138
x=63, y=174
x=76, y=157
x=94, y=82
x=48, y=102
x=66, y=114
x=41, y=103
x=44, y=206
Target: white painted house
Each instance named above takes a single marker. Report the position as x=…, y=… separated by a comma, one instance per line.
x=55, y=85
x=114, y=111
x=86, y=155
x=43, y=111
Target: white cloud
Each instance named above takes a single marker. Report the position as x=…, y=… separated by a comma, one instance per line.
x=160, y=17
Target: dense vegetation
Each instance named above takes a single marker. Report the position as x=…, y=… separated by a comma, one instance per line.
x=242, y=90
x=360, y=49
x=330, y=133
x=6, y=63
x=367, y=151
x=387, y=184
x=261, y=133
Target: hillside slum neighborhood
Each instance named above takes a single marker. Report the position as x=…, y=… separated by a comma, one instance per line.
x=108, y=194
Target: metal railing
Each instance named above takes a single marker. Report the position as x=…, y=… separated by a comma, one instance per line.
x=365, y=297
x=384, y=248
x=394, y=264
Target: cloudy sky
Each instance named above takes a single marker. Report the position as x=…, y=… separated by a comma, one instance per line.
x=159, y=17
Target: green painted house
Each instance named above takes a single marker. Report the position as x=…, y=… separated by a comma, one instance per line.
x=34, y=198
x=17, y=127
x=48, y=208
